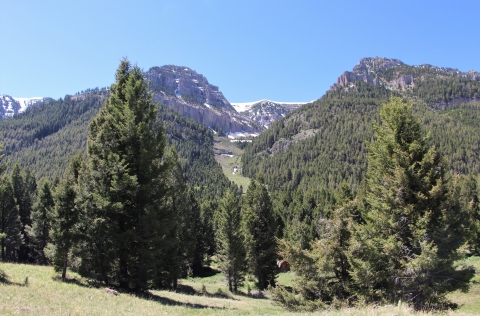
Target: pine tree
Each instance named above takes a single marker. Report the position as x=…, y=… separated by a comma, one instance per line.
x=259, y=228
x=229, y=241
x=470, y=201
x=412, y=227
x=323, y=270
x=66, y=215
x=191, y=249
x=25, y=192
x=10, y=225
x=126, y=224
x=42, y=216
x=207, y=210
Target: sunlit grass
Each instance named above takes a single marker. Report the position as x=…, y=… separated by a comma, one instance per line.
x=228, y=163
x=45, y=294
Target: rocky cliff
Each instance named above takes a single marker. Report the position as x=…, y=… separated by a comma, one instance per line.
x=191, y=95
x=396, y=75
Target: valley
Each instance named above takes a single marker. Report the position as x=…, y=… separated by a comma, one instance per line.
x=228, y=155
x=364, y=181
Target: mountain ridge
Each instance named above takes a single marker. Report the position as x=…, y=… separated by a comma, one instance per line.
x=323, y=142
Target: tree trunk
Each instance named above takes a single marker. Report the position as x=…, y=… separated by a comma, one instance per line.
x=65, y=261
x=123, y=272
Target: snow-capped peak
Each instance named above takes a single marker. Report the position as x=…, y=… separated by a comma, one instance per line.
x=11, y=106
x=26, y=102
x=245, y=106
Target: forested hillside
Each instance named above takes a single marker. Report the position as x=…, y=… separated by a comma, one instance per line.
x=47, y=136
x=323, y=143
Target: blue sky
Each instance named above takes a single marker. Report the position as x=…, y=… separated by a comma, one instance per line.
x=264, y=49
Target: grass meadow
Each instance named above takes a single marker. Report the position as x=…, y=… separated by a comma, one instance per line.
x=38, y=290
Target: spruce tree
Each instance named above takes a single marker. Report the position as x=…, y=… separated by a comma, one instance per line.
x=25, y=192
x=10, y=225
x=259, y=228
x=323, y=270
x=42, y=216
x=126, y=223
x=470, y=201
x=207, y=211
x=66, y=215
x=229, y=241
x=412, y=226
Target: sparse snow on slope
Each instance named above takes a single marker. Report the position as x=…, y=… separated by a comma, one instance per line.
x=245, y=106
x=26, y=102
x=11, y=106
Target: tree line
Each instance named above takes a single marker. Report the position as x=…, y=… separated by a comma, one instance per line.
x=400, y=238
x=124, y=214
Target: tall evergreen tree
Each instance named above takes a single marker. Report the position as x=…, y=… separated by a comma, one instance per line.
x=323, y=269
x=25, y=192
x=412, y=227
x=207, y=211
x=42, y=216
x=66, y=215
x=470, y=201
x=10, y=225
x=127, y=225
x=228, y=236
x=259, y=228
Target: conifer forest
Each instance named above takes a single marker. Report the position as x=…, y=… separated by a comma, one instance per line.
x=370, y=195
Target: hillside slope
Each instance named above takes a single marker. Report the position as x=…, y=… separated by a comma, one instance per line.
x=46, y=137
x=324, y=142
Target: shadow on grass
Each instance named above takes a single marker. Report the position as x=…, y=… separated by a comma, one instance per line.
x=189, y=290
x=5, y=279
x=255, y=294
x=168, y=301
x=206, y=272
x=89, y=283
x=182, y=289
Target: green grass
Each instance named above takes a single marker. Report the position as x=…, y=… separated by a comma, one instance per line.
x=228, y=163
x=45, y=294
x=469, y=302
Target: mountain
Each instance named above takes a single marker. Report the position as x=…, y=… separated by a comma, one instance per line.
x=265, y=112
x=191, y=95
x=45, y=138
x=323, y=143
x=440, y=87
x=10, y=106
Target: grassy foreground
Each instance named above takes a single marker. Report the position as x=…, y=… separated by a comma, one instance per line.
x=45, y=294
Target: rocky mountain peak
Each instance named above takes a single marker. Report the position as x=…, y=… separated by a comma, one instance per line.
x=190, y=94
x=370, y=65
x=265, y=112
x=9, y=106
x=187, y=85
x=395, y=74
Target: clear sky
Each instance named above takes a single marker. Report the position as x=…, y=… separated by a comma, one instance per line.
x=262, y=49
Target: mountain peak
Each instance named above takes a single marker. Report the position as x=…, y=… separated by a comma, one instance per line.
x=9, y=106
x=396, y=75
x=369, y=65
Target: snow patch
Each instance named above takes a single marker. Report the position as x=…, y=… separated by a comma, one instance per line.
x=245, y=106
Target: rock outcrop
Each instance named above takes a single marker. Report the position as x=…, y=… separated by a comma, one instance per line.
x=396, y=75
x=191, y=95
